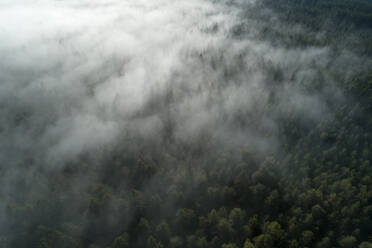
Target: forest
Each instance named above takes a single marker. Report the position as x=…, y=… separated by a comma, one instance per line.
x=261, y=140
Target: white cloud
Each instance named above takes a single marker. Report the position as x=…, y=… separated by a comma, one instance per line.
x=76, y=74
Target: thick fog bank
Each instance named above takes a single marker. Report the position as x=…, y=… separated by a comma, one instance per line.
x=75, y=76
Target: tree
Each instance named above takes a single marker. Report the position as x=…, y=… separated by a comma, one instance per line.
x=175, y=242
x=274, y=230
x=307, y=237
x=229, y=245
x=186, y=218
x=248, y=244
x=122, y=241
x=100, y=197
x=347, y=242
x=144, y=226
x=225, y=230
x=272, y=202
x=317, y=211
x=236, y=217
x=153, y=243
x=324, y=243
x=201, y=242
x=365, y=245
x=263, y=241
x=163, y=231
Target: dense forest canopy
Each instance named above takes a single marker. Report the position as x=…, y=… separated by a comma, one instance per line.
x=186, y=124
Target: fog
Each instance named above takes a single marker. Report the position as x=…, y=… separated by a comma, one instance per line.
x=83, y=76
x=75, y=75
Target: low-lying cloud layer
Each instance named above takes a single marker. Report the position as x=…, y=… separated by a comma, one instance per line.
x=73, y=75
x=77, y=75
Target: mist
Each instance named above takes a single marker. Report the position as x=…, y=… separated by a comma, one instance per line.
x=85, y=77
x=76, y=75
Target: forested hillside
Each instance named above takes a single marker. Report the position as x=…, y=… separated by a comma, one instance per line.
x=276, y=158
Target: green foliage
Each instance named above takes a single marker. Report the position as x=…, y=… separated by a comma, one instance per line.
x=122, y=241
x=348, y=242
x=365, y=245
x=307, y=237
x=163, y=231
x=263, y=241
x=153, y=243
x=248, y=244
x=186, y=218
x=175, y=242
x=229, y=245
